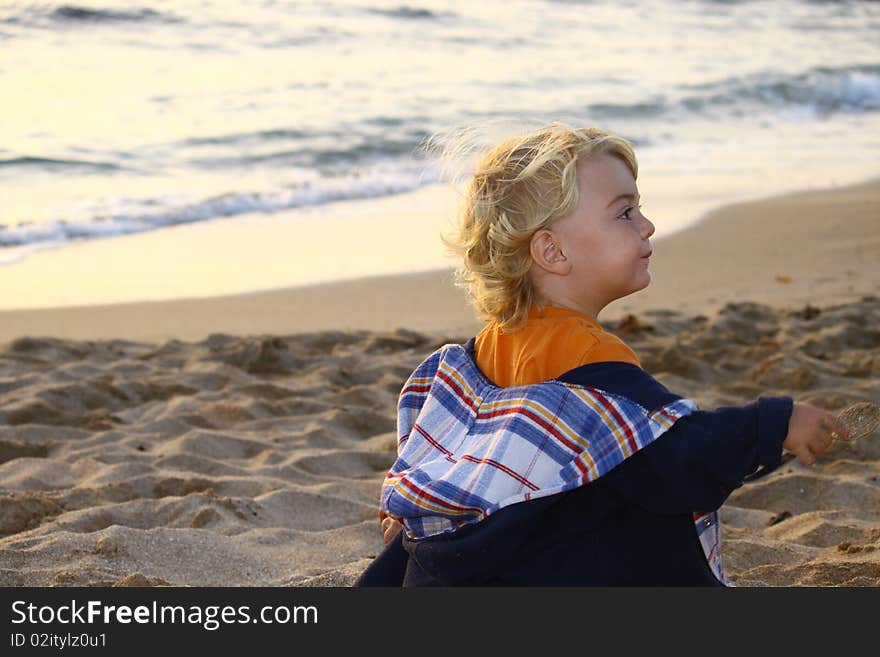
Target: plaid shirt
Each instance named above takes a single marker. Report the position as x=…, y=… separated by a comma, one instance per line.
x=467, y=448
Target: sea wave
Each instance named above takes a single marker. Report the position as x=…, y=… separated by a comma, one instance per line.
x=823, y=90
x=408, y=13
x=364, y=146
x=245, y=138
x=140, y=215
x=820, y=91
x=77, y=13
x=55, y=164
x=53, y=15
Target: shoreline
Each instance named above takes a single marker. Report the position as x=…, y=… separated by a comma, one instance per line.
x=812, y=247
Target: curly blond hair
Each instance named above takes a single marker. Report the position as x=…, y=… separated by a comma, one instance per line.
x=520, y=186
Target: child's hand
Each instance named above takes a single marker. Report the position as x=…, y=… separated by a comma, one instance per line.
x=811, y=431
x=389, y=526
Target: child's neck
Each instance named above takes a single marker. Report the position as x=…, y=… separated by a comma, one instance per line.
x=592, y=312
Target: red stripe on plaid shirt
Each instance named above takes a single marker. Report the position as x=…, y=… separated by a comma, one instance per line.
x=420, y=492
x=503, y=468
x=427, y=437
x=549, y=428
x=420, y=390
x=630, y=437
x=457, y=390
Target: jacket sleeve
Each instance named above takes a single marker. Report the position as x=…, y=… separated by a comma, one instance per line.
x=704, y=457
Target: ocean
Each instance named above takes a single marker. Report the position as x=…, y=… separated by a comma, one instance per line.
x=133, y=118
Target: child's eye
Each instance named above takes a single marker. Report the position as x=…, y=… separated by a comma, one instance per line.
x=625, y=214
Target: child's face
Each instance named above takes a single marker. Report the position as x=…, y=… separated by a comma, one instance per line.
x=606, y=238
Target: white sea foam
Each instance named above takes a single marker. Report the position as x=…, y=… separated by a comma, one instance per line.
x=127, y=216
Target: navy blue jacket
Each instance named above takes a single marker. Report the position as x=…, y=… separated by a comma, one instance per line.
x=632, y=527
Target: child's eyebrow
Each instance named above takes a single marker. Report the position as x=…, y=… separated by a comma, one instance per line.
x=621, y=197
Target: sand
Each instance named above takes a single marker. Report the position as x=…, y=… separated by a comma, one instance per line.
x=241, y=440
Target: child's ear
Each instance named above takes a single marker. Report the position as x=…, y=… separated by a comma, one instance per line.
x=548, y=254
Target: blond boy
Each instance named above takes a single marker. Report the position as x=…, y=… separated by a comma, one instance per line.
x=539, y=452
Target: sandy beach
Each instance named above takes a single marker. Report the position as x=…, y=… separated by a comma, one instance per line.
x=241, y=440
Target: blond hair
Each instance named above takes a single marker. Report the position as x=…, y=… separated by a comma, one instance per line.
x=518, y=187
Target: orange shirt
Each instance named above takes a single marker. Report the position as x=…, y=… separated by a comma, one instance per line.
x=553, y=341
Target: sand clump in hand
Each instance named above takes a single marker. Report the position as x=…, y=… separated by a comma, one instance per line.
x=257, y=461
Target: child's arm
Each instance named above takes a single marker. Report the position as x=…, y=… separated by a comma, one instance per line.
x=705, y=456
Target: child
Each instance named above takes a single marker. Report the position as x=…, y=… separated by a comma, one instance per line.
x=539, y=452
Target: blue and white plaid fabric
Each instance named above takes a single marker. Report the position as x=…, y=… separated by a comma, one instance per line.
x=467, y=448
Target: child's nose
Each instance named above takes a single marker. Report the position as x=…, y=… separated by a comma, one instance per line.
x=647, y=227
